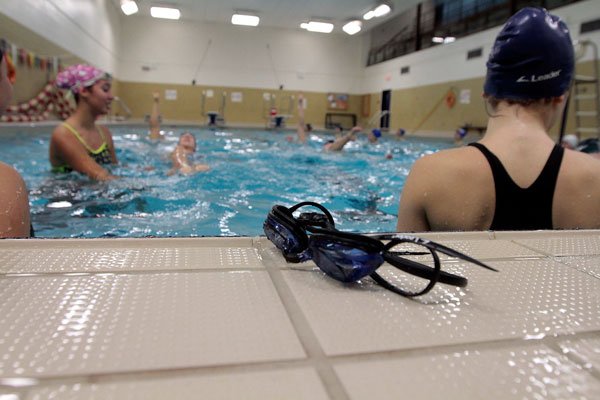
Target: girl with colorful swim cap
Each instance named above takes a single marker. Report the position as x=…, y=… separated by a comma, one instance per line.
x=515, y=177
x=79, y=144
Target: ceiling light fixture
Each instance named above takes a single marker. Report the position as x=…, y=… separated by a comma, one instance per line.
x=382, y=10
x=379, y=11
x=165, y=12
x=444, y=40
x=369, y=15
x=352, y=27
x=245, y=19
x=129, y=7
x=314, y=26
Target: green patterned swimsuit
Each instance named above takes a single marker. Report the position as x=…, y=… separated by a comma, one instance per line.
x=101, y=155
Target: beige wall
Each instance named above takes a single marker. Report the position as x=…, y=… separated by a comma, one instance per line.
x=420, y=110
x=423, y=110
x=252, y=110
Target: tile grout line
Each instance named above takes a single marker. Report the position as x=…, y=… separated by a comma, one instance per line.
x=554, y=344
x=121, y=272
x=306, y=335
x=116, y=376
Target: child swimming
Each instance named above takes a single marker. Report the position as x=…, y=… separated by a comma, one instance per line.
x=181, y=156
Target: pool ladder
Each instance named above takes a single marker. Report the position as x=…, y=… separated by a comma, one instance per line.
x=587, y=95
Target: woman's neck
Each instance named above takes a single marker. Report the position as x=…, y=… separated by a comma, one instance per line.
x=84, y=117
x=515, y=122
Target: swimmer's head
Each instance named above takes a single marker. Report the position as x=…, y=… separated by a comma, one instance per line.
x=569, y=141
x=77, y=77
x=401, y=132
x=532, y=58
x=460, y=133
x=309, y=127
x=188, y=141
x=374, y=135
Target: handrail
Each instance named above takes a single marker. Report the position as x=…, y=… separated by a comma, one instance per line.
x=378, y=115
x=123, y=106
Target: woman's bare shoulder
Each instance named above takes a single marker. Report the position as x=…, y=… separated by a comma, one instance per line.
x=6, y=171
x=459, y=158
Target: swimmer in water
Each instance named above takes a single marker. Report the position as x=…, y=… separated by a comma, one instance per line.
x=303, y=128
x=181, y=156
x=155, y=132
x=341, y=141
x=79, y=144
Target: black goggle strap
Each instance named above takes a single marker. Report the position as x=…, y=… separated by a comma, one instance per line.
x=432, y=275
x=422, y=270
x=437, y=247
x=306, y=220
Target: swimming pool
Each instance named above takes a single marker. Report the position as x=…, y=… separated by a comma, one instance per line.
x=251, y=170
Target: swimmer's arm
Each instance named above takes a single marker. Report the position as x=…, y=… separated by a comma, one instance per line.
x=111, y=145
x=301, y=125
x=14, y=204
x=154, y=120
x=412, y=214
x=339, y=143
x=179, y=159
x=201, y=167
x=67, y=148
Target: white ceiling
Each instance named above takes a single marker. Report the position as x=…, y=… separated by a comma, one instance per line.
x=277, y=13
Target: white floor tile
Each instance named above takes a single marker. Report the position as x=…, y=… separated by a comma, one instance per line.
x=519, y=372
x=100, y=323
x=526, y=299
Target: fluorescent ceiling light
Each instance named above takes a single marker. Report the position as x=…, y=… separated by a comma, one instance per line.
x=381, y=10
x=129, y=7
x=164, y=12
x=445, y=40
x=352, y=27
x=313, y=26
x=247, y=20
x=369, y=15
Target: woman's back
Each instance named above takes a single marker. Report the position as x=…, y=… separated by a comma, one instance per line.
x=516, y=178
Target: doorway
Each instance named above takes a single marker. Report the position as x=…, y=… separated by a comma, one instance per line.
x=386, y=98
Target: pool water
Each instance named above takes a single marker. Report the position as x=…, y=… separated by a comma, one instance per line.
x=251, y=170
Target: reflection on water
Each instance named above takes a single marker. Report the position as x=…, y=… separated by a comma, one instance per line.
x=250, y=172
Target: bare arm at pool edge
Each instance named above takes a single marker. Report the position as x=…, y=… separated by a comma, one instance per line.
x=14, y=200
x=14, y=204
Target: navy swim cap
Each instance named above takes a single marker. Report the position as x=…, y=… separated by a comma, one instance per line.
x=376, y=132
x=532, y=58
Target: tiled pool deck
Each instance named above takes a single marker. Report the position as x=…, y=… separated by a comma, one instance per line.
x=227, y=318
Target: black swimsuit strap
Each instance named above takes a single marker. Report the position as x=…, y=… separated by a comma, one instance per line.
x=520, y=208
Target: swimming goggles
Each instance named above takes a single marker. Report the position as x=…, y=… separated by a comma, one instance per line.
x=349, y=257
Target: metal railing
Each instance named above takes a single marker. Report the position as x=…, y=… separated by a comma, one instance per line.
x=114, y=116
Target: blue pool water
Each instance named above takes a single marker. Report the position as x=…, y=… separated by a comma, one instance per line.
x=251, y=170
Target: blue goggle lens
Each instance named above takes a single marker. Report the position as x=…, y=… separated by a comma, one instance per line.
x=282, y=237
x=342, y=262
